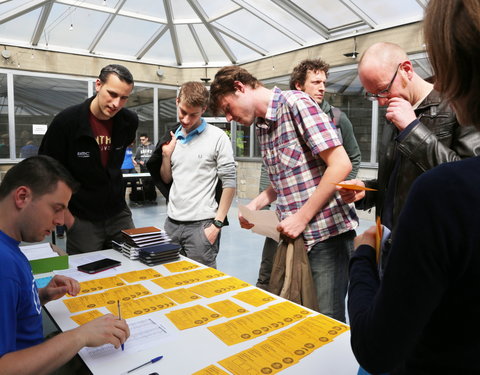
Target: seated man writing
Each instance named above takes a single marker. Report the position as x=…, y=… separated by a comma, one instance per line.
x=34, y=195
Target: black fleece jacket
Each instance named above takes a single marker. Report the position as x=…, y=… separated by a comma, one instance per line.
x=70, y=140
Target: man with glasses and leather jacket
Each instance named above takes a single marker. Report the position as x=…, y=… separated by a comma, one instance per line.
x=421, y=132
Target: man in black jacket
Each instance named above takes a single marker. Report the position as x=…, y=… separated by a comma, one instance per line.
x=90, y=140
x=422, y=132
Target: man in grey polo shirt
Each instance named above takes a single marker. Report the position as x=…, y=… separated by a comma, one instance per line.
x=196, y=157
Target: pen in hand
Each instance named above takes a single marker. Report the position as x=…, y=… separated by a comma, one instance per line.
x=120, y=317
x=146, y=363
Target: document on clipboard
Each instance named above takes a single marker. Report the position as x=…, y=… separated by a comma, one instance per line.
x=265, y=222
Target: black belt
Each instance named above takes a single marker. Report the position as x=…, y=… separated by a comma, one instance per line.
x=178, y=222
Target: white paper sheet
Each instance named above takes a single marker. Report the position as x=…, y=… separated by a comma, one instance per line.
x=265, y=222
x=143, y=334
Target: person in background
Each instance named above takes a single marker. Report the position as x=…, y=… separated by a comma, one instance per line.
x=90, y=140
x=128, y=165
x=142, y=155
x=412, y=321
x=310, y=76
x=34, y=196
x=4, y=147
x=29, y=149
x=304, y=158
x=197, y=156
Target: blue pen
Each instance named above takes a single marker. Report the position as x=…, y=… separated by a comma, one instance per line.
x=146, y=363
x=120, y=317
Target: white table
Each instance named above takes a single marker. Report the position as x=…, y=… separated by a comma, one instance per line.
x=192, y=349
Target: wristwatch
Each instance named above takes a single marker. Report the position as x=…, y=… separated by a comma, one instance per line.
x=218, y=223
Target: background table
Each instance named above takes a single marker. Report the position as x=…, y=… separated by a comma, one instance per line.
x=193, y=349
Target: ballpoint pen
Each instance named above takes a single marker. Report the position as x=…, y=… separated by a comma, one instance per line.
x=146, y=363
x=120, y=317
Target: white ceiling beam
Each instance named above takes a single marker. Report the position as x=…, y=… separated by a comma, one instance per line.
x=42, y=20
x=303, y=16
x=21, y=10
x=173, y=31
x=247, y=43
x=355, y=9
x=265, y=18
x=225, y=14
x=422, y=3
x=105, y=26
x=109, y=10
x=150, y=43
x=215, y=34
x=199, y=43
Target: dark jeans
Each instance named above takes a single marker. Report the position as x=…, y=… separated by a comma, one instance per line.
x=329, y=263
x=268, y=255
x=86, y=236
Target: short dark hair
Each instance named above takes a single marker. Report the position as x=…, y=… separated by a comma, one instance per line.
x=224, y=84
x=122, y=73
x=194, y=94
x=143, y=135
x=40, y=173
x=299, y=73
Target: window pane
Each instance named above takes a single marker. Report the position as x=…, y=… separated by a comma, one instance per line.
x=4, y=147
x=167, y=111
x=140, y=101
x=242, y=144
x=344, y=91
x=37, y=101
x=359, y=112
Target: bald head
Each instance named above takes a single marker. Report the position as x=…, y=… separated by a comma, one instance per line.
x=385, y=69
x=382, y=55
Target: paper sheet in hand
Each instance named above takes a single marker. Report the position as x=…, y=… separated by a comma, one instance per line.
x=265, y=222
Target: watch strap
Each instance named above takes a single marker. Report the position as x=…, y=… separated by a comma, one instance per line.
x=218, y=223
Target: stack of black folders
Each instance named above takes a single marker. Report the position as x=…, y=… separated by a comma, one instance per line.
x=150, y=245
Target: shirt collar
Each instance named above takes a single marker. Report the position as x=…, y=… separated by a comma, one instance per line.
x=185, y=139
x=271, y=114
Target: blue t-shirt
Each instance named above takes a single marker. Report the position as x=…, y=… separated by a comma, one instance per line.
x=20, y=308
x=128, y=161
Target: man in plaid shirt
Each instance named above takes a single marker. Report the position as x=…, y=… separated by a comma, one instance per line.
x=304, y=158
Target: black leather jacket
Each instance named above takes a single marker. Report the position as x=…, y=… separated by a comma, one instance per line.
x=436, y=139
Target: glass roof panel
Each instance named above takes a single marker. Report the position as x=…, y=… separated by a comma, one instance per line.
x=287, y=20
x=211, y=47
x=241, y=52
x=182, y=11
x=125, y=36
x=71, y=27
x=20, y=29
x=162, y=51
x=188, y=46
x=331, y=13
x=395, y=12
x=10, y=5
x=258, y=31
x=252, y=28
x=215, y=8
x=145, y=7
x=105, y=3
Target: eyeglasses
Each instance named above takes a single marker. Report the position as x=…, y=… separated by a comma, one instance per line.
x=384, y=93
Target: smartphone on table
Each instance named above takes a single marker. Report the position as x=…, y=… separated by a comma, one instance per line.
x=99, y=265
